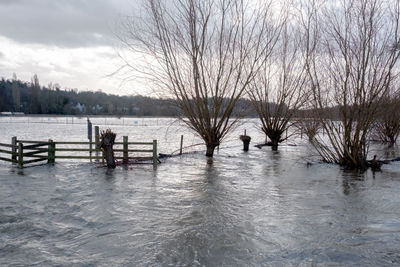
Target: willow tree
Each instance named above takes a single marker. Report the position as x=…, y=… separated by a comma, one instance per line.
x=352, y=51
x=204, y=54
x=308, y=123
x=278, y=90
x=387, y=127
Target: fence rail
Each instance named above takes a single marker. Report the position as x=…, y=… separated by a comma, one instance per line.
x=5, y=149
x=25, y=152
x=7, y=145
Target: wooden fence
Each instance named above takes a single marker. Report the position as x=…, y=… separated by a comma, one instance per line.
x=23, y=152
x=10, y=150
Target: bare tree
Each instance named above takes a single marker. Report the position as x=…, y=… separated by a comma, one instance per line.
x=308, y=123
x=204, y=54
x=387, y=127
x=16, y=95
x=278, y=92
x=352, y=51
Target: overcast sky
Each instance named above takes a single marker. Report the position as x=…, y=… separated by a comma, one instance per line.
x=70, y=42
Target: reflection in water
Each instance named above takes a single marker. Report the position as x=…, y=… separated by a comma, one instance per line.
x=191, y=244
x=352, y=180
x=109, y=174
x=274, y=162
x=211, y=226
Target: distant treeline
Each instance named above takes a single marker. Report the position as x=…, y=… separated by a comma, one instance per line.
x=32, y=98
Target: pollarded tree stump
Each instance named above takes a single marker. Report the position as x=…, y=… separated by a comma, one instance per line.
x=106, y=144
x=246, y=141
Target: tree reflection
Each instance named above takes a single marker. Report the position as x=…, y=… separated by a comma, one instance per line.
x=352, y=180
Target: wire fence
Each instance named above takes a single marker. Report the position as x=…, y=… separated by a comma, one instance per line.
x=121, y=121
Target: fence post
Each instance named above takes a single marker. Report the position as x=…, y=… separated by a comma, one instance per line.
x=53, y=147
x=14, y=149
x=125, y=160
x=90, y=135
x=180, y=149
x=155, y=159
x=52, y=152
x=49, y=151
x=20, y=155
x=97, y=140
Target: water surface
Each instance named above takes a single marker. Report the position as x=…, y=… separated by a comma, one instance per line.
x=260, y=208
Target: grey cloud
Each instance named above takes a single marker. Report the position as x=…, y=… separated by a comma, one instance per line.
x=2, y=55
x=66, y=23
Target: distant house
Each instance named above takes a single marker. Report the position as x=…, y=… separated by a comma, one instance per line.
x=9, y=113
x=80, y=107
x=97, y=108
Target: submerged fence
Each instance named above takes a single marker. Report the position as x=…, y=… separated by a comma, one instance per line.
x=9, y=149
x=24, y=152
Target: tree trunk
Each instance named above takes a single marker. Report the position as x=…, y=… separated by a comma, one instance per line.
x=210, y=150
x=109, y=154
x=392, y=141
x=246, y=141
x=359, y=161
x=274, y=142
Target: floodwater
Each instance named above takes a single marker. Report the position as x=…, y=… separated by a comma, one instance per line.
x=260, y=208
